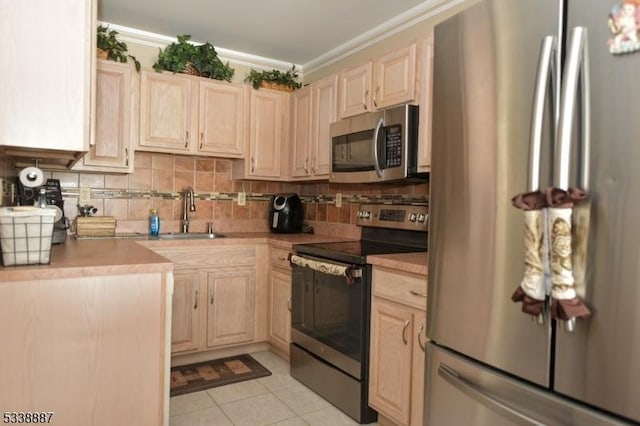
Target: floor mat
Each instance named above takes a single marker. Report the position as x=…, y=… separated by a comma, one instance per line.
x=209, y=374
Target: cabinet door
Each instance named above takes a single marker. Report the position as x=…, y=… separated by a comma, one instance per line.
x=280, y=318
x=116, y=122
x=426, y=90
x=325, y=106
x=186, y=307
x=268, y=133
x=418, y=362
x=167, y=112
x=221, y=119
x=391, y=351
x=301, y=111
x=355, y=90
x=230, y=305
x=47, y=74
x=395, y=78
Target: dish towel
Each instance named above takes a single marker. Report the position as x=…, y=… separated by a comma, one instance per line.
x=547, y=245
x=534, y=286
x=349, y=272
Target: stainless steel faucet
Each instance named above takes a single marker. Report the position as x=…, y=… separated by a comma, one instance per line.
x=187, y=203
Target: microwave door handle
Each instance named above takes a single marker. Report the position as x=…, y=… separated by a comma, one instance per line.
x=376, y=136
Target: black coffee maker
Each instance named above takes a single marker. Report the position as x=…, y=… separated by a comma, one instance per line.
x=53, y=192
x=286, y=214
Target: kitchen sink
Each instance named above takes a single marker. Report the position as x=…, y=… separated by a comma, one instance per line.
x=187, y=236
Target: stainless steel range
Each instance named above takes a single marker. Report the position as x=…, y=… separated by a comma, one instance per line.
x=331, y=304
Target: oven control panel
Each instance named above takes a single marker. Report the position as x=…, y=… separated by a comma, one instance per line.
x=394, y=216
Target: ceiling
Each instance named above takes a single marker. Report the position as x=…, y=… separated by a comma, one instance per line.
x=291, y=31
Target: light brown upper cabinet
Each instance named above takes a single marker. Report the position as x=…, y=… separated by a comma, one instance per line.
x=386, y=81
x=182, y=114
x=117, y=105
x=426, y=93
x=313, y=109
x=268, y=137
x=47, y=59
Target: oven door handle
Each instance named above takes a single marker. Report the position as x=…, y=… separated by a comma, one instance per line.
x=351, y=272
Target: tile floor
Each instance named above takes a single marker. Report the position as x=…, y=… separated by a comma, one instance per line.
x=278, y=399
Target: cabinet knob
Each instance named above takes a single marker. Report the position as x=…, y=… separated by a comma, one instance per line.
x=195, y=304
x=289, y=304
x=375, y=95
x=186, y=140
x=364, y=99
x=253, y=165
x=201, y=139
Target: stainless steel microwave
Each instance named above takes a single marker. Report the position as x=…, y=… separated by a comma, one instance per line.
x=376, y=147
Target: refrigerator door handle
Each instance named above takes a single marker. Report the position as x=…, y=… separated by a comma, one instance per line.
x=475, y=392
x=576, y=78
x=546, y=74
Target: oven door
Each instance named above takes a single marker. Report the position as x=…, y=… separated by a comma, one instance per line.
x=330, y=316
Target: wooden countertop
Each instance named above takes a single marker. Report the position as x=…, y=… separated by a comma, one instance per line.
x=113, y=256
x=284, y=241
x=408, y=262
x=90, y=257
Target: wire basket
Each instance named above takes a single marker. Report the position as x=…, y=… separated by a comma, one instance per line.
x=25, y=235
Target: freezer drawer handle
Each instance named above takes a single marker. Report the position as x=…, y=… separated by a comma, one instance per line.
x=472, y=390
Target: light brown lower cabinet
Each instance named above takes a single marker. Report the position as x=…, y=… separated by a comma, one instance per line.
x=280, y=301
x=88, y=350
x=218, y=301
x=230, y=305
x=185, y=324
x=397, y=357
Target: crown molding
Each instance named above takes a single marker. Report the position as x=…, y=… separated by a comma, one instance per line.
x=149, y=39
x=411, y=17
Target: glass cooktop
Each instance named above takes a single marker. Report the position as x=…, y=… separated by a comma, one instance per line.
x=355, y=252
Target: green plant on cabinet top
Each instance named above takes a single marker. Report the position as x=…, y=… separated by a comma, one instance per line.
x=276, y=78
x=115, y=50
x=201, y=60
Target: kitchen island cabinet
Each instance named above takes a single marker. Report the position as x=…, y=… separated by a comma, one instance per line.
x=86, y=337
x=398, y=319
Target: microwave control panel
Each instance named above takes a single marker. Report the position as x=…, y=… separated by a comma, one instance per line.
x=393, y=146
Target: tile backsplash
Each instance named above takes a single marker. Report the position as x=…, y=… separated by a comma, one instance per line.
x=159, y=179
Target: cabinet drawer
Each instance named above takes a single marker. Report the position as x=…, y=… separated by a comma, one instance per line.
x=400, y=287
x=279, y=258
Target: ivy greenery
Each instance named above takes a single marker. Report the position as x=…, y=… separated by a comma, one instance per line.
x=176, y=57
x=116, y=50
x=287, y=78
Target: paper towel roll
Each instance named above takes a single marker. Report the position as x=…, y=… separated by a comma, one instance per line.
x=31, y=177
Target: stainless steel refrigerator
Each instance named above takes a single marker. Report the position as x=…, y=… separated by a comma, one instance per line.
x=534, y=94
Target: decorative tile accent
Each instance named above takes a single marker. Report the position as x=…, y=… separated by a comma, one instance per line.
x=251, y=196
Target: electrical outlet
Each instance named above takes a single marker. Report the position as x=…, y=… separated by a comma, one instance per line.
x=242, y=198
x=84, y=196
x=339, y=199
